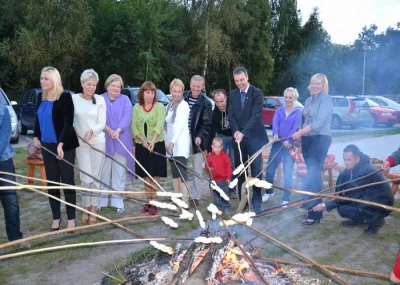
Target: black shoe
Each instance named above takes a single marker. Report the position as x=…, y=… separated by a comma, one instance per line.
x=352, y=223
x=310, y=222
x=374, y=228
x=56, y=229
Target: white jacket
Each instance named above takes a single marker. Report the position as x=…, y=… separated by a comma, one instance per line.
x=178, y=132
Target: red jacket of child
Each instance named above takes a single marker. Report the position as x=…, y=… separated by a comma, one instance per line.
x=221, y=166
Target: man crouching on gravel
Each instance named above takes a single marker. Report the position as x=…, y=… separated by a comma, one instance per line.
x=359, y=165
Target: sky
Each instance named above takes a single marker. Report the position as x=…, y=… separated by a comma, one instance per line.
x=344, y=19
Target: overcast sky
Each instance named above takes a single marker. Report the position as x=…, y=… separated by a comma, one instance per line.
x=344, y=19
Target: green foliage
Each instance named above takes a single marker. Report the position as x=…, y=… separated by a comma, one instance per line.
x=159, y=40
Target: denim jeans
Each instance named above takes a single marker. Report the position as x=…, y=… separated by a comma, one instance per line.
x=9, y=201
x=220, y=202
x=282, y=155
x=315, y=148
x=228, y=147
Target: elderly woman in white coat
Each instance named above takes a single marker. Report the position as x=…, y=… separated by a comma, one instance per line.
x=177, y=138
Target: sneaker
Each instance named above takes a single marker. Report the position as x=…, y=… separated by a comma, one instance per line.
x=266, y=196
x=352, y=223
x=284, y=204
x=120, y=210
x=374, y=228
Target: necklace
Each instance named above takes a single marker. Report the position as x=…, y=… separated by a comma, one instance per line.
x=144, y=107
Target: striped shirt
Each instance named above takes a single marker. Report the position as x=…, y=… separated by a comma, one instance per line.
x=191, y=103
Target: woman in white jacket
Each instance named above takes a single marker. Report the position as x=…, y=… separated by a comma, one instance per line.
x=177, y=138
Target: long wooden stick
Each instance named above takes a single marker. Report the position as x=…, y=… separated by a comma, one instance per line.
x=76, y=229
x=245, y=253
x=70, y=187
x=327, y=271
x=138, y=163
x=74, y=206
x=117, y=162
x=64, y=186
x=107, y=242
x=335, y=268
x=80, y=170
x=246, y=179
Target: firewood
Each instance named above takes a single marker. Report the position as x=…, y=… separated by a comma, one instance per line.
x=185, y=266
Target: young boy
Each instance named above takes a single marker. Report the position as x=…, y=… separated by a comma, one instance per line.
x=220, y=170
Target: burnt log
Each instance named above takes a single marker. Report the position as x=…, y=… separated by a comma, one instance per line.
x=187, y=265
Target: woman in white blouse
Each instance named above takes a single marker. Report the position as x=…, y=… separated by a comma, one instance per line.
x=89, y=123
x=177, y=138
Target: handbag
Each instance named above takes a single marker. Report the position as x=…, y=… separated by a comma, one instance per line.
x=34, y=152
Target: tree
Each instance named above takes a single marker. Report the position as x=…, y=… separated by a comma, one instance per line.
x=54, y=33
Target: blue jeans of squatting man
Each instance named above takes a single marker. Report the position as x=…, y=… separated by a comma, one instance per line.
x=288, y=162
x=9, y=201
x=220, y=202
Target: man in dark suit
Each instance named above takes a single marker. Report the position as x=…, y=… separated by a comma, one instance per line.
x=245, y=117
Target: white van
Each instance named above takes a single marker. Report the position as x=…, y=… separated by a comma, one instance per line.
x=14, y=119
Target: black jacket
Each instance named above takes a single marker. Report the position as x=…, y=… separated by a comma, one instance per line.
x=219, y=125
x=63, y=119
x=379, y=193
x=200, y=121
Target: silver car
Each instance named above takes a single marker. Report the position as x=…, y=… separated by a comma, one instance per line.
x=14, y=119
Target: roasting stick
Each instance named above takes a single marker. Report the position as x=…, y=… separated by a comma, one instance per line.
x=300, y=201
x=74, y=206
x=77, y=188
x=327, y=271
x=245, y=176
x=77, y=168
x=244, y=252
x=180, y=163
x=138, y=163
x=345, y=270
x=106, y=154
x=106, y=242
x=76, y=229
x=211, y=173
x=64, y=186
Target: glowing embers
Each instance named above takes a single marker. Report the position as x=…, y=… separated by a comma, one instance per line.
x=234, y=267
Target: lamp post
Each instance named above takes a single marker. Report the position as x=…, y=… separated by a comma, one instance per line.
x=365, y=48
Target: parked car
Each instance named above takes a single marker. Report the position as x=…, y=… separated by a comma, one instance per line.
x=383, y=101
x=169, y=96
x=380, y=115
x=349, y=112
x=132, y=93
x=14, y=119
x=28, y=107
x=271, y=103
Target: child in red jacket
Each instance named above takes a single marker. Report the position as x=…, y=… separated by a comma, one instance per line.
x=221, y=172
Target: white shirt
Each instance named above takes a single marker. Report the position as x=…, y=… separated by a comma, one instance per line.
x=89, y=116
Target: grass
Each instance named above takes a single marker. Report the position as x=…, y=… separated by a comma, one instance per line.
x=327, y=242
x=358, y=134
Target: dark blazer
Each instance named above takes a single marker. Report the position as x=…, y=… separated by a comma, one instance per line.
x=63, y=119
x=200, y=120
x=249, y=120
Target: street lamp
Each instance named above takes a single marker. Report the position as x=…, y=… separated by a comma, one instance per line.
x=365, y=48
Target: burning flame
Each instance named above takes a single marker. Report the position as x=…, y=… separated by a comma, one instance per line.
x=232, y=267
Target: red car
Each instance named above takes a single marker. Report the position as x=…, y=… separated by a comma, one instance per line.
x=381, y=115
x=271, y=103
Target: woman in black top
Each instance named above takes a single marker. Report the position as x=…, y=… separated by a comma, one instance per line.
x=54, y=130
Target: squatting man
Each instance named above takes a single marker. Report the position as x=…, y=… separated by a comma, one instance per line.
x=358, y=214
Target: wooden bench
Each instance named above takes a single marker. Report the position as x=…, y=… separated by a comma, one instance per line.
x=327, y=167
x=32, y=163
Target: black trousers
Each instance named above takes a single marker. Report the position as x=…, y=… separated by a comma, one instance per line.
x=59, y=171
x=362, y=213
